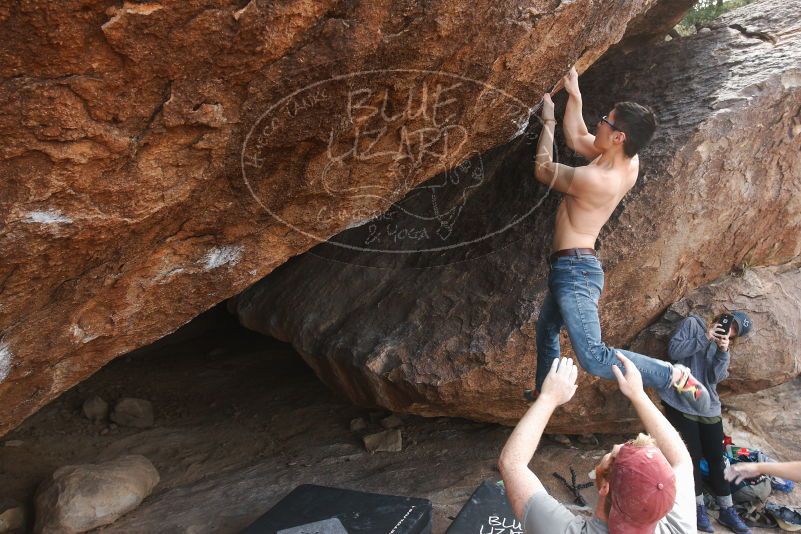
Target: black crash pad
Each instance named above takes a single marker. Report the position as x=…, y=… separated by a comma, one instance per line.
x=310, y=509
x=487, y=512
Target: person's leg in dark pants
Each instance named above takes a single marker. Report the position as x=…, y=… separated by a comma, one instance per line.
x=712, y=449
x=691, y=434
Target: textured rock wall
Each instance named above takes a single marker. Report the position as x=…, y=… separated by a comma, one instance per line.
x=158, y=158
x=387, y=319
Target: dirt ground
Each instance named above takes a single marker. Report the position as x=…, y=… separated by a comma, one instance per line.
x=240, y=421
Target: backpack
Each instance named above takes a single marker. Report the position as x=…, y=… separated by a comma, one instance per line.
x=750, y=491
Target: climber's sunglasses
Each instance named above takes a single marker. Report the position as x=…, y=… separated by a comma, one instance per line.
x=611, y=125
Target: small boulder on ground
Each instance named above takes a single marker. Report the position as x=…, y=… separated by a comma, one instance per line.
x=137, y=413
x=95, y=409
x=358, y=424
x=77, y=498
x=393, y=421
x=12, y=516
x=561, y=439
x=376, y=416
x=386, y=441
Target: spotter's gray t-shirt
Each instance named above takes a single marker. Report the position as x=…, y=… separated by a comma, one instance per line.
x=545, y=515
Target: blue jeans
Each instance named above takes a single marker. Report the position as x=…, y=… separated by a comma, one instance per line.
x=574, y=286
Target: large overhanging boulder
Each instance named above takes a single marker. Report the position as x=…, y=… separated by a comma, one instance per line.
x=159, y=158
x=386, y=317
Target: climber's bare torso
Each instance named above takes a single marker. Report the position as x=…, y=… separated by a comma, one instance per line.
x=582, y=213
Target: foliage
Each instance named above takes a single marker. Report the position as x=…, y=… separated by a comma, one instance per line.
x=705, y=11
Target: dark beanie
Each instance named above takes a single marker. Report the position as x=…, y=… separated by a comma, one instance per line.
x=744, y=323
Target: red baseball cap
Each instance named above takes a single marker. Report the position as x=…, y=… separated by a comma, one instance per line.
x=642, y=488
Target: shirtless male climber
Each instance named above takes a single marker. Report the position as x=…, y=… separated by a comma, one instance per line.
x=576, y=278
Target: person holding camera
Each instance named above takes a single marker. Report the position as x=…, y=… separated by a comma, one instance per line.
x=705, y=350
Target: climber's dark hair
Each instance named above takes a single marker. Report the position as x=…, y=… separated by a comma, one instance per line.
x=638, y=123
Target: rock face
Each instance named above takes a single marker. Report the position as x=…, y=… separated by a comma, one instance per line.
x=770, y=296
x=163, y=157
x=451, y=330
x=654, y=24
x=78, y=498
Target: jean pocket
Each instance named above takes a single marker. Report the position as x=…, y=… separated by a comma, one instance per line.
x=562, y=265
x=594, y=283
x=589, y=262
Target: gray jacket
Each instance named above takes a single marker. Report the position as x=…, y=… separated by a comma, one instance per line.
x=690, y=347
